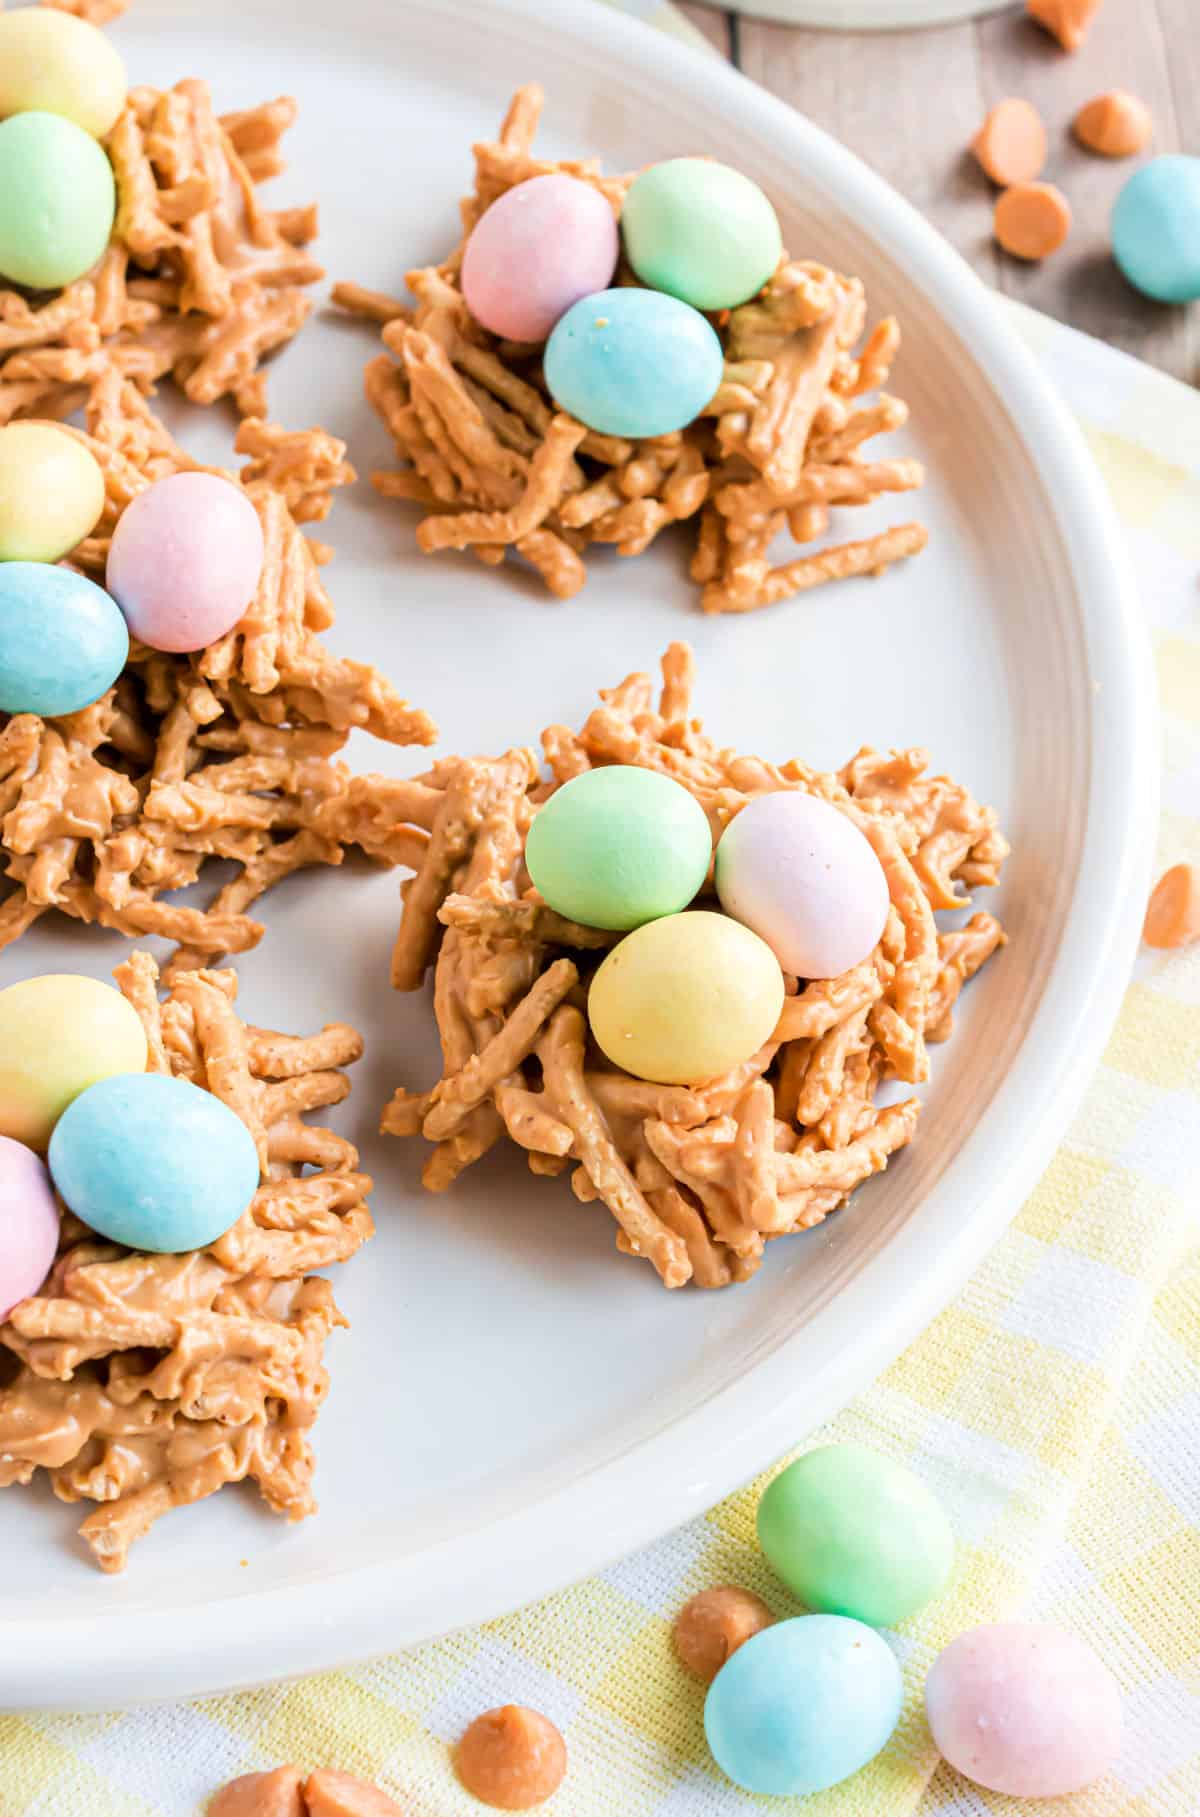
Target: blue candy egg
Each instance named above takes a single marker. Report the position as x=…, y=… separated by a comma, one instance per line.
x=1156, y=229
x=154, y=1162
x=803, y=1705
x=63, y=641
x=633, y=362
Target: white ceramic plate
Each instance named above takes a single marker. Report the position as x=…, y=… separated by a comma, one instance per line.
x=515, y=1405
x=866, y=15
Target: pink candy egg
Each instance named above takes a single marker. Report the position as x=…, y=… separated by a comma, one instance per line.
x=1024, y=1708
x=185, y=561
x=799, y=873
x=28, y=1223
x=537, y=250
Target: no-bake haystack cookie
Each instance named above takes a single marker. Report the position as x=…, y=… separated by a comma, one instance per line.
x=143, y=1382
x=698, y=1178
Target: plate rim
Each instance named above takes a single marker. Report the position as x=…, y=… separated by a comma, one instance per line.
x=116, y=1658
x=866, y=15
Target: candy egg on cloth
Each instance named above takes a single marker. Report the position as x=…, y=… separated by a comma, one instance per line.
x=154, y=1162
x=1024, y=1708
x=618, y=846
x=63, y=641
x=51, y=488
x=185, y=561
x=851, y=1532
x=54, y=63
x=57, y=200
x=633, y=362
x=803, y=1705
x=538, y=249
x=798, y=872
x=28, y=1223
x=683, y=999
x=1156, y=229
x=700, y=231
x=59, y=1034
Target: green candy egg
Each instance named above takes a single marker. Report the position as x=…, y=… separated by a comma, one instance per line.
x=57, y=200
x=853, y=1533
x=619, y=846
x=700, y=231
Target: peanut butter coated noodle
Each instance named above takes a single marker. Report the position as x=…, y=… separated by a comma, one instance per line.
x=230, y=753
x=144, y=1382
x=698, y=1179
x=780, y=446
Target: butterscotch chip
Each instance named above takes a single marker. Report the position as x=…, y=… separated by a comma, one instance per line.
x=711, y=1627
x=273, y=1794
x=330, y=1793
x=1066, y=20
x=512, y=1758
x=1011, y=143
x=1032, y=220
x=1173, y=916
x=1115, y=125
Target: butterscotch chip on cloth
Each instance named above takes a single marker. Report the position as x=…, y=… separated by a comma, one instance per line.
x=230, y=753
x=495, y=466
x=284, y=1792
x=144, y=1382
x=698, y=1178
x=199, y=281
x=711, y=1627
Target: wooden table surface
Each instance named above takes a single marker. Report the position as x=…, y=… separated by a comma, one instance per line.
x=909, y=103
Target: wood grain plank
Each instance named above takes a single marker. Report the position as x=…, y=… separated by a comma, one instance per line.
x=715, y=25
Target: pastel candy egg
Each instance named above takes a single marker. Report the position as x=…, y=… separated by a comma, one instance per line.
x=28, y=1223
x=685, y=998
x=851, y=1532
x=154, y=1162
x=538, y=249
x=59, y=1034
x=619, y=846
x=51, y=486
x=1156, y=229
x=803, y=1705
x=63, y=641
x=57, y=200
x=798, y=872
x=1024, y=1708
x=185, y=561
x=57, y=64
x=701, y=232
x=633, y=362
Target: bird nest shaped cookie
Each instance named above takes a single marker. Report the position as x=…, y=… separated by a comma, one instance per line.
x=144, y=1382
x=778, y=447
x=697, y=1178
x=228, y=753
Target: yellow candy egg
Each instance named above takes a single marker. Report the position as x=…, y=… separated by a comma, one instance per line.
x=53, y=63
x=58, y=1035
x=51, y=491
x=685, y=998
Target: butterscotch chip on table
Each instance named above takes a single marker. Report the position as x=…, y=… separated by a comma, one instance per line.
x=1032, y=220
x=697, y=1178
x=1066, y=20
x=1114, y=125
x=711, y=1627
x=145, y=1382
x=780, y=447
x=1011, y=144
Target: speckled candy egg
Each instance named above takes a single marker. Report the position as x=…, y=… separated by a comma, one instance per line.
x=633, y=362
x=701, y=232
x=805, y=879
x=1024, y=1708
x=851, y=1532
x=57, y=64
x=538, y=249
x=803, y=1705
x=63, y=641
x=1156, y=229
x=154, y=1162
x=51, y=488
x=683, y=999
x=58, y=1035
x=618, y=846
x=28, y=1223
x=185, y=561
x=57, y=200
